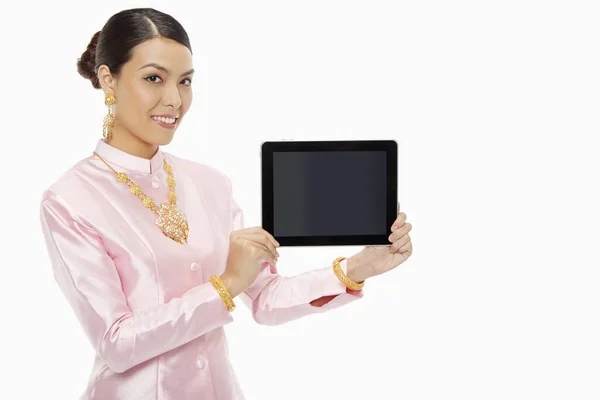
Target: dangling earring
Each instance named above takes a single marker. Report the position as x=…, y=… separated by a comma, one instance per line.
x=109, y=120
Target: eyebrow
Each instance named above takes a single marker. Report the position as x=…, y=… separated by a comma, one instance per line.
x=191, y=71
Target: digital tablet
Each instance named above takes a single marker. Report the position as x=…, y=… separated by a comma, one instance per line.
x=325, y=193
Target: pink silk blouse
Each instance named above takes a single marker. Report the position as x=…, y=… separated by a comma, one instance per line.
x=145, y=301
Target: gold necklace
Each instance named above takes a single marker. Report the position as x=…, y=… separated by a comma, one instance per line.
x=169, y=219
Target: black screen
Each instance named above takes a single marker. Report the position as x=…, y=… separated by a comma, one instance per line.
x=329, y=193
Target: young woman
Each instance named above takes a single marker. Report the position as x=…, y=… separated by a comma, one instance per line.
x=150, y=249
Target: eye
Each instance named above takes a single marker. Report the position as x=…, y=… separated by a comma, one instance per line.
x=187, y=81
x=153, y=79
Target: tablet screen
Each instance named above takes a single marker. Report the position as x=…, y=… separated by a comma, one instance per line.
x=329, y=193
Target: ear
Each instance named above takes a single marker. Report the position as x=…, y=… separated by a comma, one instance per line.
x=107, y=81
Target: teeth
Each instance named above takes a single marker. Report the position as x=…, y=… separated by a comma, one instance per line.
x=165, y=120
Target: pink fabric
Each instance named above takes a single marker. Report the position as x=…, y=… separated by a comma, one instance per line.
x=145, y=301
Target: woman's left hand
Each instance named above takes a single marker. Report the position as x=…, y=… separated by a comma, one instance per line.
x=376, y=260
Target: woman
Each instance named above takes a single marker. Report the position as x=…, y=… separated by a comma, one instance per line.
x=150, y=249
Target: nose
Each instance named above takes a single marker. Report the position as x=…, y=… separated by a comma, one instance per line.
x=171, y=96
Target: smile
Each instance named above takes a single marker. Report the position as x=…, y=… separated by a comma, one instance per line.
x=166, y=120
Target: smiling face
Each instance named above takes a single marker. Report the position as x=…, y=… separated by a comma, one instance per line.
x=152, y=91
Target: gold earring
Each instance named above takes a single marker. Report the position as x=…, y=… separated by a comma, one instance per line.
x=109, y=120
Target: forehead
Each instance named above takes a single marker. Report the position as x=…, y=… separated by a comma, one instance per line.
x=165, y=52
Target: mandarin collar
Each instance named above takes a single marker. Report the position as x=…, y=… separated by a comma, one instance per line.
x=117, y=157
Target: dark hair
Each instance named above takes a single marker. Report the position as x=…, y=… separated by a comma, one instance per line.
x=114, y=44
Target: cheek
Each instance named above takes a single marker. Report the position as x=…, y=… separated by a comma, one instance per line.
x=146, y=100
x=186, y=100
x=136, y=104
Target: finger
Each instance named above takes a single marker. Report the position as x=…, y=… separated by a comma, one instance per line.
x=261, y=231
x=266, y=256
x=399, y=221
x=271, y=238
x=258, y=229
x=406, y=249
x=399, y=243
x=269, y=243
x=260, y=239
x=261, y=252
x=399, y=232
x=398, y=211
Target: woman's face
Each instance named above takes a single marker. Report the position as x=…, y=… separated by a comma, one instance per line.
x=153, y=92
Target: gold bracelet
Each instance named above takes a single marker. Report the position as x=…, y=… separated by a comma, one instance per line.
x=339, y=272
x=223, y=292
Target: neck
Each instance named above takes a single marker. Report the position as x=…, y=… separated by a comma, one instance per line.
x=131, y=144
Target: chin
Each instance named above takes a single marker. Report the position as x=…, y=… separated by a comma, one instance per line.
x=160, y=138
x=163, y=141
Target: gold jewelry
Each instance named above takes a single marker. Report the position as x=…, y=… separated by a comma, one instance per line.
x=109, y=121
x=339, y=272
x=170, y=219
x=223, y=292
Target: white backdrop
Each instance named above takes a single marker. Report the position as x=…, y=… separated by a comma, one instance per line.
x=495, y=106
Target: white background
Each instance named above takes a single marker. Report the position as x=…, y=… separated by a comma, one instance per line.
x=495, y=106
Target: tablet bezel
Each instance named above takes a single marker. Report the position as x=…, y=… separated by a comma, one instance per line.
x=391, y=149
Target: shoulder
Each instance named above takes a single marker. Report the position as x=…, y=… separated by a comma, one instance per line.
x=204, y=173
x=68, y=184
x=70, y=192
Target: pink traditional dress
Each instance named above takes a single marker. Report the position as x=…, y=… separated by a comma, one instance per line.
x=144, y=300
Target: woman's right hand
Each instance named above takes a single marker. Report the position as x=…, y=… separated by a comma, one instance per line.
x=249, y=248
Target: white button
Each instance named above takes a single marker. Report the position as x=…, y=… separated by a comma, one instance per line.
x=195, y=266
x=201, y=362
x=155, y=182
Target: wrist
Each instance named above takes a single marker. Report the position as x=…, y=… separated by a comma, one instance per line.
x=353, y=270
x=231, y=285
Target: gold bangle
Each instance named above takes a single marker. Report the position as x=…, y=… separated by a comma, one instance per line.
x=223, y=292
x=339, y=272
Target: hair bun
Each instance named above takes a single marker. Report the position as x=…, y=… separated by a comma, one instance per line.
x=86, y=64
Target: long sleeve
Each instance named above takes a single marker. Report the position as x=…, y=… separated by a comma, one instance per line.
x=89, y=279
x=275, y=299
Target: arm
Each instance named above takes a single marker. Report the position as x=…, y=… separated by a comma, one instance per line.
x=87, y=276
x=275, y=299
